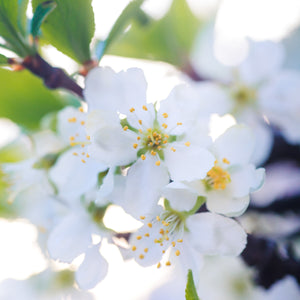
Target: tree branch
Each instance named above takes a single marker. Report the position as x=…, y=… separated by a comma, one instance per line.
x=53, y=78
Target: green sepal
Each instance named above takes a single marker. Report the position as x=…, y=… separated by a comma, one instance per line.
x=190, y=290
x=47, y=161
x=101, y=177
x=3, y=60
x=40, y=14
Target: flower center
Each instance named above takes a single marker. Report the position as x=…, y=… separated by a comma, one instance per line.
x=165, y=231
x=217, y=178
x=243, y=94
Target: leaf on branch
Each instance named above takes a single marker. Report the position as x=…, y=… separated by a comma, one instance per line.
x=3, y=60
x=70, y=27
x=12, y=25
x=190, y=291
x=168, y=39
x=131, y=11
x=41, y=13
x=25, y=100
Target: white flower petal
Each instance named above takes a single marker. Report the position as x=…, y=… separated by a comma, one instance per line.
x=216, y=235
x=256, y=67
x=112, y=91
x=70, y=238
x=188, y=163
x=236, y=144
x=72, y=177
x=143, y=186
x=179, y=196
x=92, y=270
x=226, y=204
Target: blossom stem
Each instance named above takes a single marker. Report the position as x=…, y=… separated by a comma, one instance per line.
x=53, y=78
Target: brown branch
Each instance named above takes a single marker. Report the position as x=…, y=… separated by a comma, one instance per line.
x=53, y=78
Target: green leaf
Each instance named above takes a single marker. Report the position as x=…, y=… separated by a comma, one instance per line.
x=168, y=39
x=25, y=100
x=10, y=26
x=70, y=27
x=190, y=290
x=41, y=13
x=3, y=60
x=132, y=10
x=22, y=18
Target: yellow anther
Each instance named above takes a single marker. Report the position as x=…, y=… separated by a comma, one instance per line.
x=133, y=248
x=150, y=144
x=226, y=161
x=161, y=231
x=142, y=217
x=179, y=123
x=72, y=138
x=141, y=256
x=179, y=240
x=138, y=138
x=81, y=109
x=125, y=128
x=165, y=115
x=161, y=244
x=82, y=123
x=75, y=153
x=158, y=265
x=159, y=148
x=218, y=178
x=147, y=234
x=167, y=231
x=164, y=142
x=149, y=225
x=177, y=252
x=83, y=161
x=140, y=122
x=168, y=263
x=88, y=137
x=153, y=153
x=156, y=143
x=166, y=238
x=158, y=218
x=72, y=144
x=156, y=241
x=145, y=107
x=131, y=109
x=87, y=155
x=187, y=144
x=164, y=251
x=83, y=153
x=146, y=250
x=82, y=145
x=139, y=237
x=149, y=130
x=164, y=125
x=135, y=145
x=157, y=163
x=166, y=136
x=143, y=157
x=72, y=120
x=173, y=244
x=173, y=149
x=140, y=131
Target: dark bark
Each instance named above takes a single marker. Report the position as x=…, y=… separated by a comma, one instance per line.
x=53, y=78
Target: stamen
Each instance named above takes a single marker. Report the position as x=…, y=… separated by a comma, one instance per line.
x=147, y=234
x=145, y=107
x=158, y=218
x=83, y=161
x=72, y=120
x=149, y=225
x=187, y=144
x=173, y=244
x=164, y=125
x=133, y=248
x=139, y=237
x=173, y=149
x=81, y=109
x=168, y=263
x=88, y=137
x=140, y=122
x=146, y=250
x=165, y=115
x=142, y=217
x=158, y=265
x=82, y=123
x=138, y=138
x=180, y=240
x=72, y=138
x=179, y=123
x=143, y=157
x=177, y=252
x=87, y=155
x=226, y=161
x=153, y=153
x=141, y=256
x=75, y=153
x=125, y=128
x=157, y=163
x=135, y=145
x=131, y=109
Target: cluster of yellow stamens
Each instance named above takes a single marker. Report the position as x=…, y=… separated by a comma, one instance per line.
x=161, y=233
x=152, y=140
x=217, y=177
x=73, y=139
